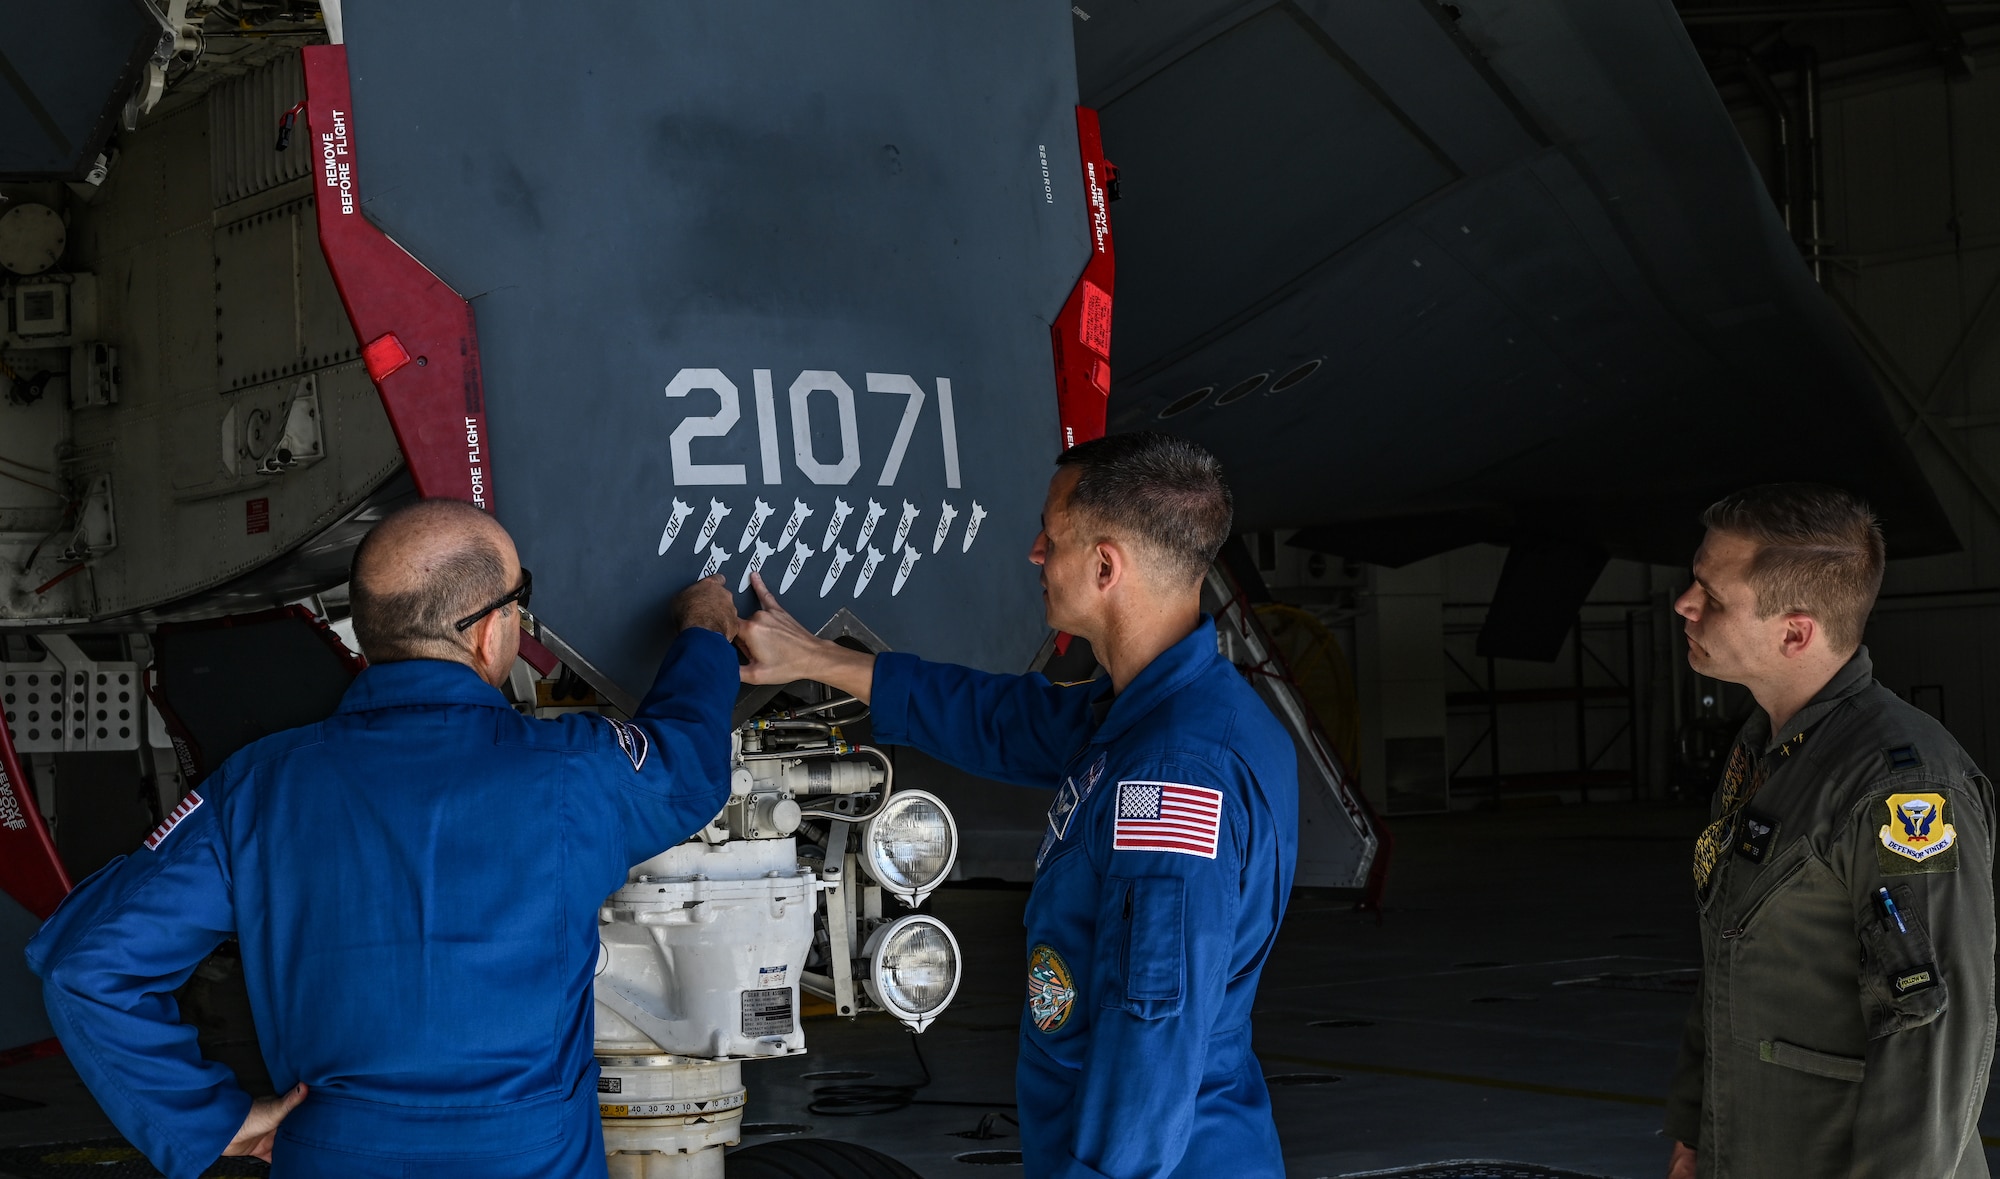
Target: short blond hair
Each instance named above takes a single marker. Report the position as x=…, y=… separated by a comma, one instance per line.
x=1819, y=553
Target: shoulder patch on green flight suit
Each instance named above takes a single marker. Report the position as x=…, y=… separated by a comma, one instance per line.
x=1918, y=837
x=1903, y=757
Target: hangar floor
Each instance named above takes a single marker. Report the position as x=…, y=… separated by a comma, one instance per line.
x=1520, y=1000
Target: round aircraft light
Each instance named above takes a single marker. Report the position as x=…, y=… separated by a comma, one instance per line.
x=1242, y=389
x=913, y=968
x=1181, y=405
x=909, y=847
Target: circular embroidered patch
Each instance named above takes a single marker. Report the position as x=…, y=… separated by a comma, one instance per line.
x=1051, y=988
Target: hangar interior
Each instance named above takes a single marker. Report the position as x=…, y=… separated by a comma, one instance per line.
x=191, y=439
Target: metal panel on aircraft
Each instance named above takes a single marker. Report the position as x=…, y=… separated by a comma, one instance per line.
x=769, y=286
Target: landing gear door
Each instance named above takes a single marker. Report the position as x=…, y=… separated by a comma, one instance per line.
x=762, y=285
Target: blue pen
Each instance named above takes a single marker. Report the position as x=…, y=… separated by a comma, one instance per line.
x=1889, y=907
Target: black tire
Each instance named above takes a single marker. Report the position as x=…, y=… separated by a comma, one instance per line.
x=813, y=1158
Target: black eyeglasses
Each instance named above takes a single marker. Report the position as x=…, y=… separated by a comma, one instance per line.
x=520, y=595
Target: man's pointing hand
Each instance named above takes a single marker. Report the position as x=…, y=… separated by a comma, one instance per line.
x=781, y=650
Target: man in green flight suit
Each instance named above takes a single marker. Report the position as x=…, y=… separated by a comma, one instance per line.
x=1844, y=1023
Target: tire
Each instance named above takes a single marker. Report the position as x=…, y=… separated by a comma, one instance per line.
x=813, y=1158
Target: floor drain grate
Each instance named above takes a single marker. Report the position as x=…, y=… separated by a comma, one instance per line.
x=774, y=1129
x=1473, y=1169
x=1301, y=1079
x=989, y=1128
x=989, y=1158
x=101, y=1158
x=1342, y=1023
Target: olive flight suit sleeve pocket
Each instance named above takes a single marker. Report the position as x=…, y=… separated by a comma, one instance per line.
x=1919, y=848
x=1902, y=985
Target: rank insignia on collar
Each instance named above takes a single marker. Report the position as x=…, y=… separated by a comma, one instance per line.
x=1918, y=837
x=1903, y=757
x=1051, y=989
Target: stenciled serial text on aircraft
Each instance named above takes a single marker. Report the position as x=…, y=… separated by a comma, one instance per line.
x=919, y=529
x=691, y=367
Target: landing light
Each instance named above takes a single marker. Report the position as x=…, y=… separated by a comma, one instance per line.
x=913, y=967
x=910, y=846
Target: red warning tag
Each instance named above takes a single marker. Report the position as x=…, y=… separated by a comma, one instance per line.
x=1096, y=320
x=188, y=806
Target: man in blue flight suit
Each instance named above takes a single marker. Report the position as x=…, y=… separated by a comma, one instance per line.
x=1169, y=852
x=414, y=883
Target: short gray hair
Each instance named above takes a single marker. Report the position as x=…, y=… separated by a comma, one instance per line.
x=1166, y=493
x=416, y=622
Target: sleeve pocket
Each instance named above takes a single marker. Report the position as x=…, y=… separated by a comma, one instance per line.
x=1153, y=956
x=1901, y=984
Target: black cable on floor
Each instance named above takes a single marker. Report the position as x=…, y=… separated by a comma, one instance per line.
x=861, y=1099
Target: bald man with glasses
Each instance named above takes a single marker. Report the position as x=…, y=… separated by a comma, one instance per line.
x=414, y=884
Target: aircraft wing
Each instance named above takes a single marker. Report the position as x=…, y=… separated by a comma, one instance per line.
x=1545, y=289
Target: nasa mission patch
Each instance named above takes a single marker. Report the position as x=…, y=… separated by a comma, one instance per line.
x=632, y=741
x=1051, y=989
x=1918, y=837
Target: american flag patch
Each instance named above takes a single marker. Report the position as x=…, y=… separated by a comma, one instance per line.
x=188, y=806
x=1169, y=817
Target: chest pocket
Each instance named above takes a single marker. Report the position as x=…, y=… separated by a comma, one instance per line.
x=1144, y=919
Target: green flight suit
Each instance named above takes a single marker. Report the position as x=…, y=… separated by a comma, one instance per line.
x=1826, y=1040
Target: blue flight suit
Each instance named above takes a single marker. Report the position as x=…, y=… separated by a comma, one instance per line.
x=1158, y=892
x=414, y=883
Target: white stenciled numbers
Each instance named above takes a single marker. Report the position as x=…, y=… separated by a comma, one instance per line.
x=813, y=391
x=841, y=470
x=716, y=425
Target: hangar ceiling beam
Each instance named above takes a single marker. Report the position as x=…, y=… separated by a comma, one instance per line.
x=1731, y=14
x=1973, y=327
x=1932, y=17
x=1898, y=381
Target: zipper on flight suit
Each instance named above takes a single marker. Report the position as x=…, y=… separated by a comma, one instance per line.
x=1766, y=890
